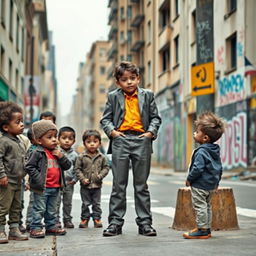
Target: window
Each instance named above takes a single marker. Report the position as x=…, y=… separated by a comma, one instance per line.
x=102, y=52
x=121, y=57
x=231, y=5
x=3, y=4
x=176, y=45
x=176, y=8
x=149, y=72
x=22, y=43
x=102, y=89
x=129, y=57
x=231, y=52
x=193, y=27
x=122, y=13
x=149, y=32
x=129, y=12
x=2, y=60
x=10, y=71
x=102, y=70
x=16, y=79
x=165, y=58
x=17, y=33
x=129, y=36
x=164, y=16
x=10, y=21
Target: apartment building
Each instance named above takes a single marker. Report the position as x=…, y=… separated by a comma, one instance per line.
x=92, y=87
x=167, y=38
x=13, y=50
x=27, y=64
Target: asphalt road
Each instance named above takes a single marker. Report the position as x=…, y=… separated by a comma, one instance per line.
x=163, y=185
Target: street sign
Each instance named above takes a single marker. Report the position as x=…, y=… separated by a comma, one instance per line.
x=202, y=79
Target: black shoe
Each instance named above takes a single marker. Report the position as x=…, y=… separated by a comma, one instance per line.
x=112, y=230
x=147, y=230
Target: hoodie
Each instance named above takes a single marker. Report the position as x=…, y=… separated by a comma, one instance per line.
x=205, y=170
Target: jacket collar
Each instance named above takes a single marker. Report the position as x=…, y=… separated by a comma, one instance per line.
x=12, y=137
x=141, y=98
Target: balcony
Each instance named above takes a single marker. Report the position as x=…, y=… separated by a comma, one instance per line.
x=112, y=32
x=164, y=36
x=112, y=52
x=112, y=15
x=110, y=2
x=137, y=20
x=137, y=45
x=122, y=41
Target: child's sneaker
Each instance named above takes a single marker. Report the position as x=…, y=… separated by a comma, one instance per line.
x=68, y=224
x=197, y=233
x=3, y=238
x=97, y=223
x=209, y=232
x=84, y=224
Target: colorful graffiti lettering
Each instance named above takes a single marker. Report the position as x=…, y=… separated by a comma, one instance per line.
x=231, y=89
x=233, y=143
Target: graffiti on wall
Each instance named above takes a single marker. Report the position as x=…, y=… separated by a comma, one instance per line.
x=231, y=89
x=233, y=142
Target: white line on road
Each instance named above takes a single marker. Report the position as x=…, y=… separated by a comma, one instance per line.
x=170, y=211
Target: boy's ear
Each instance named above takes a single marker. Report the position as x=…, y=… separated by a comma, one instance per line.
x=38, y=141
x=206, y=138
x=5, y=127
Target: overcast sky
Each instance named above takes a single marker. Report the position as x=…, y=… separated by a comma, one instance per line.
x=76, y=25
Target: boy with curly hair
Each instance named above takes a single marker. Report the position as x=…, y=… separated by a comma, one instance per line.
x=12, y=155
x=205, y=172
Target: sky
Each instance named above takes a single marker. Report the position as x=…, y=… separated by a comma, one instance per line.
x=76, y=25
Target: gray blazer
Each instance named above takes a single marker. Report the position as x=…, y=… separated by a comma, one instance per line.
x=115, y=109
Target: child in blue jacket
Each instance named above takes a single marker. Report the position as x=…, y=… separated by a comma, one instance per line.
x=205, y=172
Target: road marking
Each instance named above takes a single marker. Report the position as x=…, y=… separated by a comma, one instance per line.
x=170, y=211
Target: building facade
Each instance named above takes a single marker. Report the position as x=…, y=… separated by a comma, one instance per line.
x=166, y=39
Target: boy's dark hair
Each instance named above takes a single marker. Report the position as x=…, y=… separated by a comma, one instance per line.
x=211, y=125
x=30, y=134
x=7, y=108
x=47, y=114
x=125, y=66
x=66, y=129
x=89, y=133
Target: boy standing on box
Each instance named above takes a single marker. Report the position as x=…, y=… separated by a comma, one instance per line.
x=205, y=172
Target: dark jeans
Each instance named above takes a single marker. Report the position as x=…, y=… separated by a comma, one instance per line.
x=90, y=197
x=45, y=206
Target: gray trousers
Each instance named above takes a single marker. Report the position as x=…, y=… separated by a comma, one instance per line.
x=90, y=197
x=30, y=208
x=138, y=151
x=65, y=196
x=201, y=200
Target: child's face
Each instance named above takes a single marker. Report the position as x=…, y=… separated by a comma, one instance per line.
x=49, y=140
x=15, y=126
x=92, y=144
x=47, y=118
x=200, y=137
x=66, y=140
x=128, y=82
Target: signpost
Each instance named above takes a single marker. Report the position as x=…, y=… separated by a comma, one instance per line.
x=202, y=79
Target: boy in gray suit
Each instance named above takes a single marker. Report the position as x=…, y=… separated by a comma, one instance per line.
x=131, y=121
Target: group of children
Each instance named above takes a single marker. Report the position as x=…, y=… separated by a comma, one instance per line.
x=53, y=168
x=131, y=121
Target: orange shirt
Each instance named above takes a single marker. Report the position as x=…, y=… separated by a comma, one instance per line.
x=132, y=119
